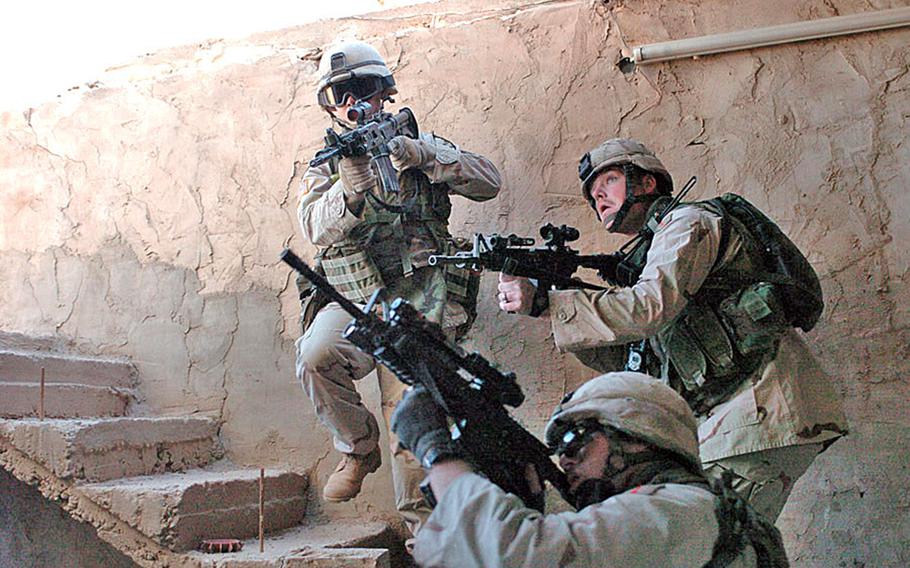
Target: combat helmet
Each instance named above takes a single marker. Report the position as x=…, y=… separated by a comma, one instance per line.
x=622, y=152
x=635, y=404
x=352, y=68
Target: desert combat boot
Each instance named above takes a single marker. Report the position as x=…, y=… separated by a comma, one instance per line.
x=345, y=482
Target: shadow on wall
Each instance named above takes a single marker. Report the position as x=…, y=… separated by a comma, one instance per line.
x=37, y=532
x=856, y=478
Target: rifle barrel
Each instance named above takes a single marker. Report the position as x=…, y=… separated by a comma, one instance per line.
x=324, y=156
x=442, y=259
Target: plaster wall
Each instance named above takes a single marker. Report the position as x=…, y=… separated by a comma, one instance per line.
x=142, y=214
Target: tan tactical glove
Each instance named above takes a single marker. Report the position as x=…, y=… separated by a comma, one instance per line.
x=410, y=153
x=356, y=177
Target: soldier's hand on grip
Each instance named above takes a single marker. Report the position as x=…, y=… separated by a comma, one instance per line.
x=408, y=152
x=516, y=294
x=421, y=426
x=356, y=175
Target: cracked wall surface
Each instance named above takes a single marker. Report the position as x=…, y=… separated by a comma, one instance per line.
x=143, y=216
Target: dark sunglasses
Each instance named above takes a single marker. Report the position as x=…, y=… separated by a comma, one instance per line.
x=576, y=438
x=360, y=88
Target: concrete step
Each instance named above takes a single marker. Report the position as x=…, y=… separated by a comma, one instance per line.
x=108, y=448
x=179, y=510
x=318, y=543
x=25, y=367
x=62, y=400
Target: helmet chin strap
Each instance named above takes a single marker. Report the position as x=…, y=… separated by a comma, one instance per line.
x=591, y=491
x=609, y=219
x=341, y=123
x=631, y=199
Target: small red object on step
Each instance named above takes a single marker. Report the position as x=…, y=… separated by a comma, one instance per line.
x=216, y=545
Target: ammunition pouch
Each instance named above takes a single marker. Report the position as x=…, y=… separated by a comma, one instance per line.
x=376, y=253
x=714, y=347
x=734, y=322
x=757, y=317
x=352, y=272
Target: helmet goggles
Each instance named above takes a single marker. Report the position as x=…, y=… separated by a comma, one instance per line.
x=359, y=88
x=576, y=438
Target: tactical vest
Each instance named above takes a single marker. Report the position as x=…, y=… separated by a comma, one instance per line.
x=388, y=245
x=732, y=326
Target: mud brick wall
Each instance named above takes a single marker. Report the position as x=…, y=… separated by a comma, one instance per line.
x=142, y=216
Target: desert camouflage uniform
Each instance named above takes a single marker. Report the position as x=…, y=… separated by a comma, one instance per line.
x=770, y=429
x=477, y=524
x=373, y=250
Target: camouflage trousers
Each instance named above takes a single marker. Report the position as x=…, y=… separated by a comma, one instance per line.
x=766, y=478
x=328, y=367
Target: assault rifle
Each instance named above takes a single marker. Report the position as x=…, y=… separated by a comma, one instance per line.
x=472, y=392
x=552, y=265
x=371, y=137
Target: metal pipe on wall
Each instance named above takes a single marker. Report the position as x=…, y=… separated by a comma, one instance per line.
x=772, y=35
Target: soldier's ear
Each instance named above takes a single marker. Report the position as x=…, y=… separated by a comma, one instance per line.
x=649, y=183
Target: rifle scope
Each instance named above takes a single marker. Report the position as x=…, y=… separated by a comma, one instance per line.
x=559, y=235
x=359, y=111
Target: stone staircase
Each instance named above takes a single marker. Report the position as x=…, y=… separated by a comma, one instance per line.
x=155, y=487
x=74, y=386
x=107, y=448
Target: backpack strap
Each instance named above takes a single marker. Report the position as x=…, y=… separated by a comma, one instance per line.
x=738, y=525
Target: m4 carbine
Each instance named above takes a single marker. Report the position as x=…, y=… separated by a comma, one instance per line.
x=370, y=138
x=470, y=391
x=552, y=265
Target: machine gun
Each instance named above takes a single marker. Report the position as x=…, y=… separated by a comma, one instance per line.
x=371, y=137
x=472, y=392
x=552, y=265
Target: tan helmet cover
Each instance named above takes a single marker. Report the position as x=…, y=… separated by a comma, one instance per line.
x=344, y=61
x=633, y=403
x=617, y=152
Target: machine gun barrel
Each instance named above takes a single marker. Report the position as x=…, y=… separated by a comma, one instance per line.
x=325, y=155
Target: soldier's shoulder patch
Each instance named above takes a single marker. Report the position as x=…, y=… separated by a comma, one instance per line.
x=446, y=151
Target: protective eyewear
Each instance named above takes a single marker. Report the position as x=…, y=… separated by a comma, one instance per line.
x=576, y=438
x=359, y=88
